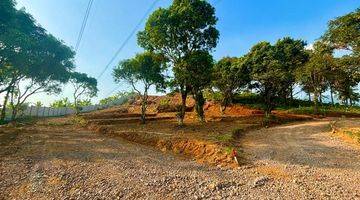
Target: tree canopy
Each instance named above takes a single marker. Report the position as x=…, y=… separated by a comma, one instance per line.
x=31, y=60
x=230, y=75
x=147, y=69
x=185, y=27
x=84, y=86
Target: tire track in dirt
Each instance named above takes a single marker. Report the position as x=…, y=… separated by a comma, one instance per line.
x=307, y=144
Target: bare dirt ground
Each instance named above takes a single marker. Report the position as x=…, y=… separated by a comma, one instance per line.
x=296, y=161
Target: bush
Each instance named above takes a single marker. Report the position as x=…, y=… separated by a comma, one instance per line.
x=117, y=96
x=237, y=133
x=78, y=120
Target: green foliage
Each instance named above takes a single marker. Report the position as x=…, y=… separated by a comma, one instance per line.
x=117, y=96
x=314, y=74
x=266, y=72
x=237, y=133
x=211, y=95
x=38, y=104
x=146, y=68
x=291, y=55
x=344, y=32
x=84, y=86
x=83, y=103
x=30, y=58
x=186, y=28
x=225, y=138
x=230, y=75
x=62, y=103
x=196, y=69
x=326, y=110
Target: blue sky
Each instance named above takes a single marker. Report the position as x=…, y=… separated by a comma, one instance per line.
x=242, y=23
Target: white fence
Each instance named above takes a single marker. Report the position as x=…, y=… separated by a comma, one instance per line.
x=35, y=111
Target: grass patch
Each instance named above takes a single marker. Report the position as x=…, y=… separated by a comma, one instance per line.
x=225, y=138
x=326, y=110
x=353, y=134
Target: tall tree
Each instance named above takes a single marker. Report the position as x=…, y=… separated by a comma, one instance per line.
x=84, y=86
x=291, y=55
x=344, y=33
x=346, y=79
x=147, y=69
x=230, y=75
x=28, y=54
x=186, y=26
x=313, y=75
x=196, y=70
x=267, y=73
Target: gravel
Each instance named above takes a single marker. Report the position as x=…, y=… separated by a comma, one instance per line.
x=44, y=162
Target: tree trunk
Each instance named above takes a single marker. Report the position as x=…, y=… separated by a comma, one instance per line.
x=199, y=104
x=3, y=111
x=320, y=98
x=143, y=107
x=332, y=95
x=75, y=105
x=316, y=98
x=14, y=113
x=227, y=99
x=181, y=114
x=309, y=94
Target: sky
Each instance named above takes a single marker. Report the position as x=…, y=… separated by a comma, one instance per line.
x=242, y=23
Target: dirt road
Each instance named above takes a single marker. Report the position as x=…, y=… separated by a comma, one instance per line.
x=289, y=162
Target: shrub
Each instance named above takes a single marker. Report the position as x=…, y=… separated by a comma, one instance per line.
x=78, y=120
x=237, y=133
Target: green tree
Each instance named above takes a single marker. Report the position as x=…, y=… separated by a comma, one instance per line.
x=84, y=86
x=38, y=104
x=230, y=75
x=116, y=97
x=196, y=70
x=31, y=60
x=186, y=26
x=62, y=103
x=291, y=55
x=313, y=75
x=346, y=79
x=344, y=32
x=19, y=95
x=267, y=73
x=147, y=69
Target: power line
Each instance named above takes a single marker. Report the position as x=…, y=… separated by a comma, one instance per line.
x=83, y=25
x=112, y=91
x=128, y=38
x=122, y=46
